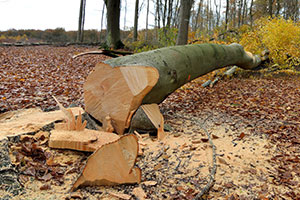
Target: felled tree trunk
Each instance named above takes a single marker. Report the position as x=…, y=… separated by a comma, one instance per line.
x=117, y=87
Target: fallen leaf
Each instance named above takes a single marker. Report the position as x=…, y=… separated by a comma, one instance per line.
x=204, y=139
x=242, y=135
x=45, y=187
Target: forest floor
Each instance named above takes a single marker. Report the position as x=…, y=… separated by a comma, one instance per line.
x=254, y=122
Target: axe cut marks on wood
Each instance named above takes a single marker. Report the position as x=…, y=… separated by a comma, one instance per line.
x=112, y=164
x=117, y=92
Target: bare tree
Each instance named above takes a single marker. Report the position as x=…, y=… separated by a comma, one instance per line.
x=124, y=27
x=185, y=12
x=147, y=18
x=81, y=21
x=270, y=8
x=227, y=14
x=113, y=24
x=102, y=16
x=136, y=14
x=251, y=13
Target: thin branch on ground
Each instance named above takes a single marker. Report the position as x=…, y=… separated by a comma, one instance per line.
x=213, y=170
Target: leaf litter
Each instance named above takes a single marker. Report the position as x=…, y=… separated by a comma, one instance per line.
x=254, y=125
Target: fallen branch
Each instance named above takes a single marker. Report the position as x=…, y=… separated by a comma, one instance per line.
x=110, y=53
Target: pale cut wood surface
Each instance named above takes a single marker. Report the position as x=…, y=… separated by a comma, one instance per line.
x=112, y=164
x=157, y=119
x=87, y=140
x=29, y=120
x=116, y=92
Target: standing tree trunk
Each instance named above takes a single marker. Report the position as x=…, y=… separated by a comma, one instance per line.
x=102, y=16
x=136, y=15
x=124, y=27
x=271, y=8
x=170, y=12
x=185, y=12
x=226, y=14
x=117, y=87
x=81, y=21
x=251, y=13
x=158, y=13
x=240, y=13
x=113, y=24
x=147, y=18
x=175, y=18
x=195, y=25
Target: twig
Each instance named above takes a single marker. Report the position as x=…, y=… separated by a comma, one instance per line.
x=213, y=170
x=211, y=182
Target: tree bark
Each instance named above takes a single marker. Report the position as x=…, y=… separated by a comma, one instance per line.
x=175, y=65
x=136, y=14
x=251, y=13
x=270, y=8
x=81, y=21
x=227, y=14
x=147, y=18
x=185, y=12
x=113, y=24
x=102, y=16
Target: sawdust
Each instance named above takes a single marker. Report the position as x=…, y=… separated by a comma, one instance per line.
x=29, y=120
x=177, y=167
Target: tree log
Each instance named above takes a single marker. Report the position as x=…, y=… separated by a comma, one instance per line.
x=175, y=65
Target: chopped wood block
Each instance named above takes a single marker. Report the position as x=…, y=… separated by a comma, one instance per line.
x=87, y=140
x=117, y=92
x=29, y=120
x=112, y=164
x=153, y=113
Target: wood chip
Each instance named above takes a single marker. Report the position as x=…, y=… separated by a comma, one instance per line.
x=121, y=196
x=150, y=183
x=139, y=193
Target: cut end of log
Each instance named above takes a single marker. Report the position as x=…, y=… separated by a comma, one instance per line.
x=112, y=164
x=117, y=92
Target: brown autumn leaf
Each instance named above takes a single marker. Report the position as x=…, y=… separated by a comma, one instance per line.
x=242, y=135
x=45, y=187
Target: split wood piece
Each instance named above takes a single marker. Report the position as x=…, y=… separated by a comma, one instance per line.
x=112, y=164
x=157, y=119
x=29, y=120
x=117, y=92
x=87, y=140
x=71, y=122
